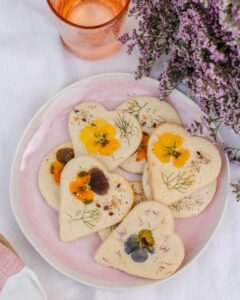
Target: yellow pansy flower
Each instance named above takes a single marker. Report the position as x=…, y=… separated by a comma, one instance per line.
x=168, y=147
x=99, y=137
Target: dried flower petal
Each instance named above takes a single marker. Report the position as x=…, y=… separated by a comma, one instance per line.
x=64, y=155
x=98, y=183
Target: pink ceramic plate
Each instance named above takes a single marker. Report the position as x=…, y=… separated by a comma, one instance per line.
x=39, y=222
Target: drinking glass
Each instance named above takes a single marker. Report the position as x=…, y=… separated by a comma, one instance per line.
x=90, y=28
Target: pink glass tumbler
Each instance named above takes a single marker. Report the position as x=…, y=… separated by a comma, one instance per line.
x=90, y=28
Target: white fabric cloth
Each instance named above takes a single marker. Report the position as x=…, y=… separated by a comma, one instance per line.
x=23, y=286
x=33, y=67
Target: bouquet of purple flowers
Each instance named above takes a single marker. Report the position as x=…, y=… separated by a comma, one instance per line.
x=202, y=41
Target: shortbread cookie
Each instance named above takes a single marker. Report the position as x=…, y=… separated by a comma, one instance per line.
x=180, y=164
x=50, y=173
x=110, y=136
x=138, y=197
x=91, y=198
x=150, y=112
x=144, y=244
x=188, y=206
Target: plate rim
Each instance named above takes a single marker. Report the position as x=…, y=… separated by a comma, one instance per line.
x=41, y=111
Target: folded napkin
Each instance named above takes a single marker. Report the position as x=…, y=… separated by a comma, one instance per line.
x=10, y=262
x=17, y=282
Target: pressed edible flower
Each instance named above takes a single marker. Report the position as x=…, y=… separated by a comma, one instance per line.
x=139, y=245
x=63, y=155
x=56, y=168
x=80, y=188
x=169, y=147
x=146, y=238
x=98, y=183
x=88, y=183
x=99, y=137
x=142, y=149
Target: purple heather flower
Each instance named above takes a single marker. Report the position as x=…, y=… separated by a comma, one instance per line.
x=236, y=189
x=233, y=154
x=202, y=41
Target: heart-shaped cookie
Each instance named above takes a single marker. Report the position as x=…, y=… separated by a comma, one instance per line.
x=144, y=244
x=150, y=112
x=50, y=172
x=138, y=196
x=91, y=198
x=180, y=164
x=188, y=206
x=110, y=136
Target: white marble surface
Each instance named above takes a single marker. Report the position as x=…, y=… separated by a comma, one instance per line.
x=33, y=67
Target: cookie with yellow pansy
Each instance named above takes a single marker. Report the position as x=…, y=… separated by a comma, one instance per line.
x=91, y=198
x=188, y=206
x=50, y=172
x=110, y=136
x=180, y=164
x=138, y=196
x=150, y=112
x=144, y=244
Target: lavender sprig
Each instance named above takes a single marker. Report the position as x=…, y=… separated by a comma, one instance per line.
x=207, y=127
x=236, y=190
x=202, y=41
x=233, y=154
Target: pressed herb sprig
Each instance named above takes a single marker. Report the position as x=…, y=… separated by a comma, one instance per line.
x=134, y=108
x=89, y=217
x=125, y=126
x=202, y=41
x=180, y=181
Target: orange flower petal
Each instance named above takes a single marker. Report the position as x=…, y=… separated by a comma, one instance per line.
x=83, y=178
x=74, y=187
x=142, y=149
x=141, y=154
x=145, y=138
x=56, y=168
x=88, y=197
x=80, y=188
